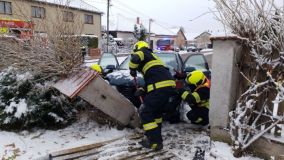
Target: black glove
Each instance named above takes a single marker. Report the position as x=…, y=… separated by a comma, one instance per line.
x=139, y=92
x=133, y=73
x=182, y=90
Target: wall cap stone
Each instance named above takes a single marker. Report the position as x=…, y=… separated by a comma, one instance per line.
x=231, y=37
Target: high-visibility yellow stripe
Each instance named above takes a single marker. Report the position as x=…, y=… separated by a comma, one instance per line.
x=132, y=65
x=196, y=96
x=159, y=120
x=140, y=54
x=204, y=104
x=162, y=84
x=150, y=64
x=150, y=126
x=154, y=146
x=199, y=119
x=184, y=95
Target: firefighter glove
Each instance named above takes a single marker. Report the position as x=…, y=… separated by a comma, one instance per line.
x=133, y=73
x=182, y=90
x=179, y=75
x=139, y=92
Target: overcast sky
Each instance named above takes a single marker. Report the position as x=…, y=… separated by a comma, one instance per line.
x=169, y=13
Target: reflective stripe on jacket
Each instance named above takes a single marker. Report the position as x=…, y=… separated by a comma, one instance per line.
x=156, y=75
x=200, y=96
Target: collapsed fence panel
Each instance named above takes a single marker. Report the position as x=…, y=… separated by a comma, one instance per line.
x=91, y=87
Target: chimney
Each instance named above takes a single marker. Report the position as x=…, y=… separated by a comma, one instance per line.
x=137, y=20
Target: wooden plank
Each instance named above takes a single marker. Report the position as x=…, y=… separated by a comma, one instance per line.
x=80, y=149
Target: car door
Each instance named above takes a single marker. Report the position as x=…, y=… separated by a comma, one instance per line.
x=197, y=62
x=108, y=61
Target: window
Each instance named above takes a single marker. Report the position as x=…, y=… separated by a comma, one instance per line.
x=5, y=7
x=68, y=16
x=38, y=12
x=196, y=61
x=89, y=19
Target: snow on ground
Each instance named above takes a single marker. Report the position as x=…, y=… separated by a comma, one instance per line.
x=178, y=138
x=41, y=142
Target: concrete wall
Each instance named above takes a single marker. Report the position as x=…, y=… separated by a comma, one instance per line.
x=224, y=81
x=21, y=9
x=223, y=96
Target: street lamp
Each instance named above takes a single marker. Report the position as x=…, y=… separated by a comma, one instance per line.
x=203, y=14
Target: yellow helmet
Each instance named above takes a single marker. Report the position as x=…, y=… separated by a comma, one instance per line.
x=196, y=78
x=140, y=44
x=97, y=68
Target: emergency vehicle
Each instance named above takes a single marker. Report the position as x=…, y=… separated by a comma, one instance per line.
x=19, y=28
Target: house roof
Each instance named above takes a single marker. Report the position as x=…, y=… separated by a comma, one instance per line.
x=205, y=32
x=73, y=4
x=191, y=36
x=127, y=25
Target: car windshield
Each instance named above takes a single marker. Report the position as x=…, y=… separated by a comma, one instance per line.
x=108, y=59
x=168, y=58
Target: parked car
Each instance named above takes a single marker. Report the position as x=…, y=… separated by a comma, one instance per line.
x=191, y=49
x=123, y=82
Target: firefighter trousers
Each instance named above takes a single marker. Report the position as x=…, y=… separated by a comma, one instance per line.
x=198, y=115
x=151, y=113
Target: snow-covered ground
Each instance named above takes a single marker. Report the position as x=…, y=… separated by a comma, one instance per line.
x=178, y=138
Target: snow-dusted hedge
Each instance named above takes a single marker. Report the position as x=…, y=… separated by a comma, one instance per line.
x=27, y=101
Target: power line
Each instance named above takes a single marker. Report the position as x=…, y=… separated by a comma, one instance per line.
x=129, y=10
x=144, y=15
x=89, y=4
x=127, y=6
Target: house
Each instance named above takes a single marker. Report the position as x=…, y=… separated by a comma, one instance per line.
x=49, y=15
x=126, y=37
x=203, y=40
x=167, y=39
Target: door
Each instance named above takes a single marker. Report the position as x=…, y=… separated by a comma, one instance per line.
x=108, y=61
x=197, y=62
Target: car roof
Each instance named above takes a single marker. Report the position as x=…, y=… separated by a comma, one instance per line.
x=166, y=52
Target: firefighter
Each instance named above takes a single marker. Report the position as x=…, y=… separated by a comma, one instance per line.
x=198, y=99
x=97, y=68
x=159, y=85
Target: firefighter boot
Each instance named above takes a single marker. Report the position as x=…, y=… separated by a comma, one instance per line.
x=151, y=145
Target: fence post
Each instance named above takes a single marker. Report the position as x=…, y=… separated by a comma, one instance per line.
x=224, y=85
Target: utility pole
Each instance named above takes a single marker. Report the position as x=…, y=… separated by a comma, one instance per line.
x=108, y=4
x=149, y=33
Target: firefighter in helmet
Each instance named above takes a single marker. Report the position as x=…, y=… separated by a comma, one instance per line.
x=159, y=85
x=197, y=97
x=99, y=69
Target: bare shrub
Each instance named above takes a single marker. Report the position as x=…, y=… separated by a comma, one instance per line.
x=261, y=24
x=57, y=52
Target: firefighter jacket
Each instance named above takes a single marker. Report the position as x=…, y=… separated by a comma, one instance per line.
x=199, y=97
x=155, y=74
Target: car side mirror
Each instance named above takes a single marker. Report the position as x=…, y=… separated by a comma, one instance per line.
x=189, y=69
